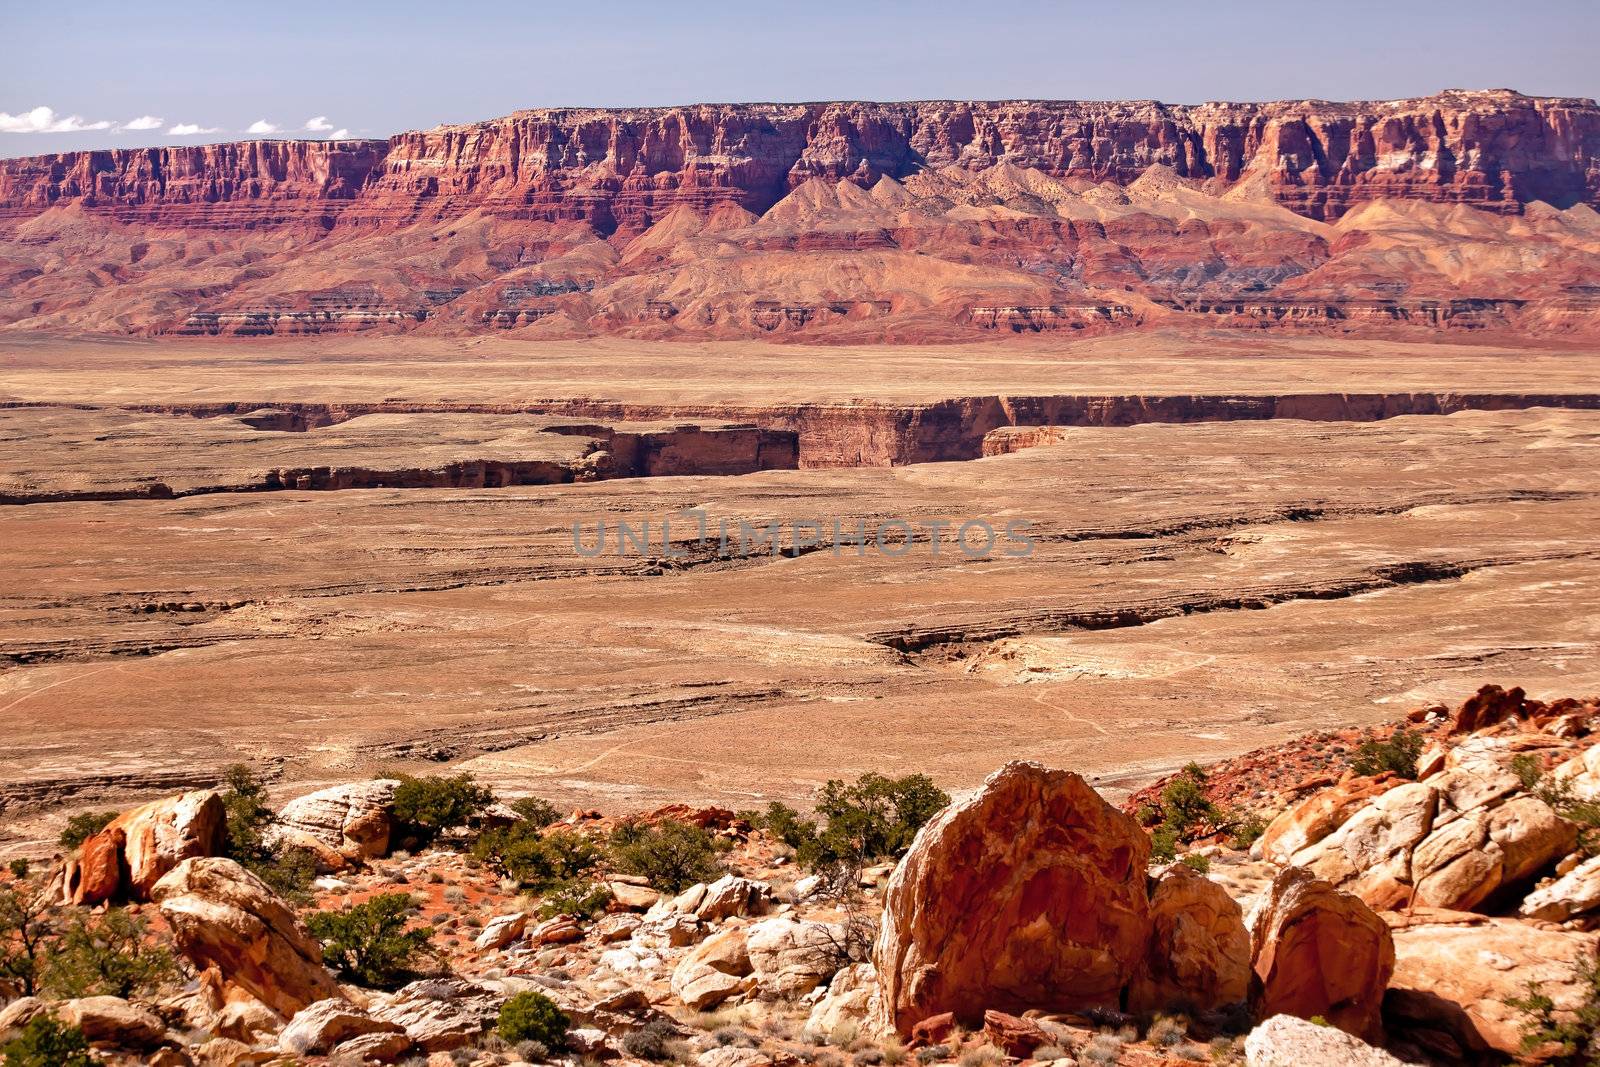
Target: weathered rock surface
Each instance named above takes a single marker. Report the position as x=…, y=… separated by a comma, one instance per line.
x=1028, y=895
x=112, y=1022
x=353, y=820
x=789, y=957
x=1456, y=977
x=316, y=1029
x=848, y=1000
x=1319, y=815
x=1319, y=952
x=223, y=916
x=1287, y=1041
x=713, y=971
x=1575, y=893
x=441, y=1014
x=136, y=849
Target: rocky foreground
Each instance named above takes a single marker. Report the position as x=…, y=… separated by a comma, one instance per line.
x=1419, y=893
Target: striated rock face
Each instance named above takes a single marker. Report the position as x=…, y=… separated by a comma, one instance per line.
x=130, y=855
x=353, y=821
x=1030, y=894
x=625, y=168
x=1199, y=954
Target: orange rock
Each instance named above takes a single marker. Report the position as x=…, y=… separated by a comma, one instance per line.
x=934, y=1030
x=141, y=845
x=1199, y=953
x=1319, y=815
x=1029, y=894
x=1490, y=706
x=1015, y=1036
x=1317, y=951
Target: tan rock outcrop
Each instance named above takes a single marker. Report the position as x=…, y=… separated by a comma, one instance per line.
x=1199, y=952
x=1457, y=977
x=1575, y=893
x=1319, y=815
x=1286, y=1041
x=790, y=958
x=128, y=857
x=1029, y=894
x=316, y=1029
x=713, y=971
x=112, y=1022
x=223, y=916
x=1319, y=952
x=353, y=820
x=441, y=1014
x=848, y=1000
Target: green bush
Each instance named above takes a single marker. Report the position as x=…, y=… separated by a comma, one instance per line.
x=83, y=826
x=287, y=869
x=671, y=856
x=45, y=1042
x=110, y=955
x=427, y=807
x=532, y=1016
x=1585, y=814
x=537, y=860
x=578, y=897
x=877, y=818
x=18, y=868
x=1575, y=1035
x=369, y=943
x=28, y=933
x=535, y=811
x=1397, y=755
x=1196, y=862
x=1246, y=830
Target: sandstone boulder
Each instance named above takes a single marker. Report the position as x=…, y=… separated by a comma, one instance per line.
x=713, y=971
x=19, y=1013
x=1490, y=706
x=111, y=1022
x=1029, y=894
x=501, y=930
x=1199, y=951
x=849, y=999
x=731, y=896
x=128, y=857
x=1015, y=1036
x=1286, y=1041
x=383, y=1047
x=223, y=916
x=441, y=1014
x=1316, y=951
x=315, y=1030
x=1319, y=815
x=1575, y=893
x=1457, y=977
x=353, y=820
x=790, y=958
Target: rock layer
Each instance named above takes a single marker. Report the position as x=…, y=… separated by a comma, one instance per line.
x=625, y=168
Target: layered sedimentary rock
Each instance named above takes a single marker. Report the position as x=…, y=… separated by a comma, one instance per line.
x=626, y=168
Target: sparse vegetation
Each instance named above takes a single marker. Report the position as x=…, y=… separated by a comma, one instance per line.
x=83, y=826
x=108, y=955
x=537, y=860
x=535, y=811
x=1247, y=829
x=286, y=869
x=657, y=1041
x=27, y=931
x=532, y=1016
x=875, y=819
x=579, y=897
x=427, y=807
x=1398, y=755
x=370, y=943
x=672, y=856
x=18, y=868
x=46, y=1042
x=1585, y=814
x=1196, y=862
x=1568, y=1039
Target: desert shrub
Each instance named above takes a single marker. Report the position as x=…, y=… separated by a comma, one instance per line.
x=581, y=898
x=1573, y=1038
x=932, y=1054
x=671, y=856
x=427, y=807
x=1103, y=1049
x=535, y=859
x=1397, y=755
x=83, y=826
x=28, y=933
x=532, y=1016
x=1166, y=1031
x=982, y=1056
x=46, y=1042
x=1246, y=830
x=109, y=955
x=656, y=1041
x=369, y=943
x=1163, y=844
x=1184, y=804
x=535, y=811
x=18, y=868
x=1196, y=862
x=875, y=818
x=247, y=839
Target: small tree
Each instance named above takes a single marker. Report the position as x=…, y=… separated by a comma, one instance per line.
x=580, y=898
x=107, y=956
x=1398, y=755
x=877, y=818
x=672, y=856
x=534, y=811
x=1570, y=1040
x=537, y=860
x=46, y=1042
x=427, y=807
x=287, y=869
x=532, y=1016
x=28, y=930
x=369, y=943
x=83, y=826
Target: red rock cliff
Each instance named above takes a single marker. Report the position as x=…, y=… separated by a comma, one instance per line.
x=625, y=168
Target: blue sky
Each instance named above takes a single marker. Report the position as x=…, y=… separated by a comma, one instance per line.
x=92, y=74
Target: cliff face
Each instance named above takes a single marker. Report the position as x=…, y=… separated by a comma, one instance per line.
x=624, y=169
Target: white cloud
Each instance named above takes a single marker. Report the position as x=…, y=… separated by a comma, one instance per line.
x=263, y=126
x=319, y=124
x=45, y=120
x=339, y=134
x=189, y=129
x=143, y=122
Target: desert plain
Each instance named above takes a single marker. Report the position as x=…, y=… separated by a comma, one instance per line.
x=310, y=556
